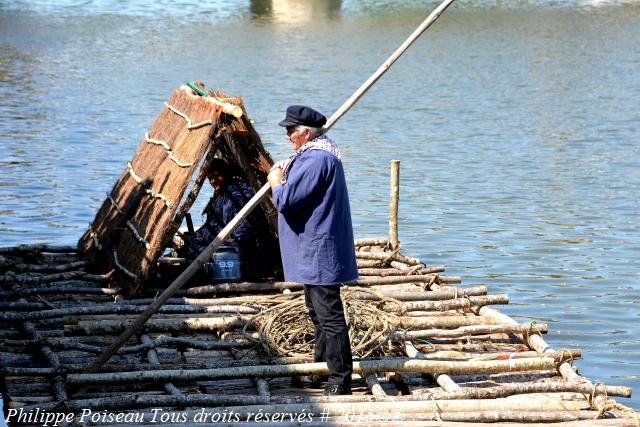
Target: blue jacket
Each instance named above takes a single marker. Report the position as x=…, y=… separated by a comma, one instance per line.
x=251, y=236
x=314, y=221
x=222, y=208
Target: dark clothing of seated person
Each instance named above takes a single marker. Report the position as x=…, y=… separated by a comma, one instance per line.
x=251, y=236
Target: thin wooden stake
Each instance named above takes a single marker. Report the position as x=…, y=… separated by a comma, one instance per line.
x=394, y=197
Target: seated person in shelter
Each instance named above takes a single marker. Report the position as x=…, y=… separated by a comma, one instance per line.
x=230, y=195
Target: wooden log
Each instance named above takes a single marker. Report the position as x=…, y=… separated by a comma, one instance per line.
x=29, y=280
x=192, y=323
x=456, y=304
x=184, y=342
x=195, y=343
x=418, y=295
x=37, y=248
x=57, y=383
x=387, y=257
x=423, y=419
x=15, y=388
x=368, y=264
x=422, y=278
x=374, y=385
x=159, y=325
x=224, y=288
x=152, y=356
x=378, y=241
x=29, y=372
x=505, y=390
x=261, y=384
x=505, y=415
x=444, y=322
x=464, y=331
x=536, y=342
x=21, y=306
x=16, y=360
x=503, y=355
x=384, y=272
x=121, y=309
x=66, y=290
x=342, y=408
x=442, y=380
x=266, y=371
x=253, y=301
x=130, y=401
x=98, y=309
x=37, y=268
x=394, y=197
x=115, y=365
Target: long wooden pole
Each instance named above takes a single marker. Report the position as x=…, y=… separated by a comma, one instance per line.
x=387, y=64
x=255, y=200
x=204, y=257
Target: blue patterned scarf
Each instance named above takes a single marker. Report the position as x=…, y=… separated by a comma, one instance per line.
x=321, y=142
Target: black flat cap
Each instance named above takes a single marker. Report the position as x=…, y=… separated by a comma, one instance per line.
x=302, y=115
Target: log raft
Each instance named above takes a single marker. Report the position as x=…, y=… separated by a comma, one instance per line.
x=447, y=355
x=427, y=349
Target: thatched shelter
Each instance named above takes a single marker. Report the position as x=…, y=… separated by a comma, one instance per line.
x=149, y=200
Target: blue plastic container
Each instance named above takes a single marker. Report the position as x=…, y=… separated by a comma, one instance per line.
x=225, y=265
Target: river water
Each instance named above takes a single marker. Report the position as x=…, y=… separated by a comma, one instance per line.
x=517, y=124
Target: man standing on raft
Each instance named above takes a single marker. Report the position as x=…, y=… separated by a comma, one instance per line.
x=316, y=236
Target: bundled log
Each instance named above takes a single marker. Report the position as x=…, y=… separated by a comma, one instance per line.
x=30, y=279
x=267, y=371
x=387, y=257
x=123, y=309
x=36, y=250
x=417, y=295
x=456, y=304
x=464, y=331
x=159, y=325
x=383, y=272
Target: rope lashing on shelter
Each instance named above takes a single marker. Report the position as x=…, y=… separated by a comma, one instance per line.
x=167, y=150
x=190, y=124
x=121, y=267
x=130, y=225
x=153, y=194
x=286, y=329
x=220, y=130
x=94, y=238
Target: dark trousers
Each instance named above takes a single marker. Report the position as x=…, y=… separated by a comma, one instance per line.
x=331, y=334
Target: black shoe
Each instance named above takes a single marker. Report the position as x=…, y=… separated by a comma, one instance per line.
x=336, y=390
x=316, y=381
